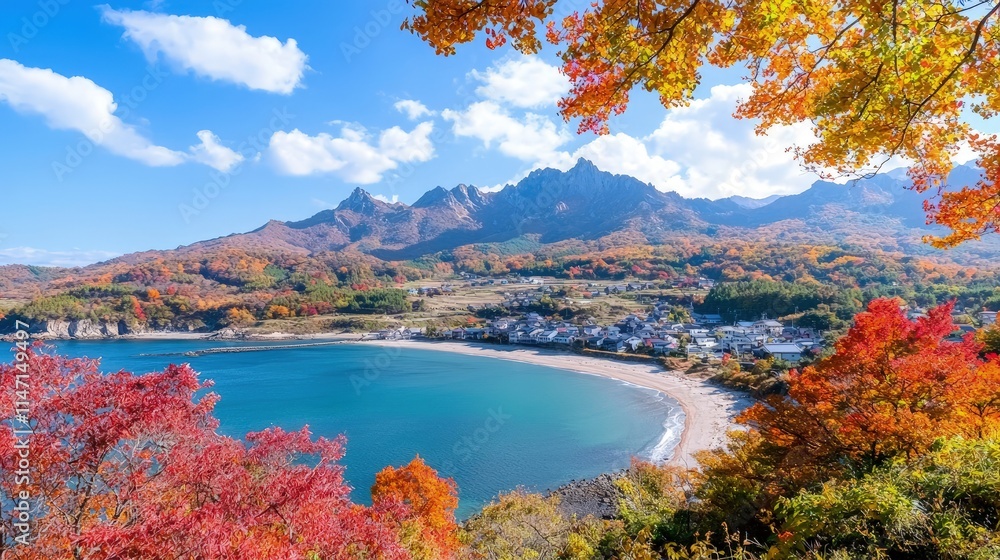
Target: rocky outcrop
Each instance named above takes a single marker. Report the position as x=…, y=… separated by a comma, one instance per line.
x=231, y=333
x=595, y=496
x=83, y=329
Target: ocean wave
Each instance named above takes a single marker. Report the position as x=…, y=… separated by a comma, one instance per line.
x=673, y=425
x=673, y=429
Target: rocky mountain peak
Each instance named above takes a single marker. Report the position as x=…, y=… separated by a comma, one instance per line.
x=584, y=165
x=469, y=196
x=361, y=202
x=438, y=196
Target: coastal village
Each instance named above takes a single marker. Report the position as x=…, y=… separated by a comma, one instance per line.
x=654, y=333
x=701, y=336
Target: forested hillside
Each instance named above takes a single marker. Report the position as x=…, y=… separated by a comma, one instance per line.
x=231, y=287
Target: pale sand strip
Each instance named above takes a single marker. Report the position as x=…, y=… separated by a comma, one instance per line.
x=708, y=409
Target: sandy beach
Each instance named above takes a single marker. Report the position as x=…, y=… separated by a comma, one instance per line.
x=708, y=409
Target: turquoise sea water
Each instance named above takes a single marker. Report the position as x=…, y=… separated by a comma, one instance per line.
x=491, y=424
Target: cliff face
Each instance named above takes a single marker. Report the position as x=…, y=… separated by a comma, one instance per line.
x=83, y=329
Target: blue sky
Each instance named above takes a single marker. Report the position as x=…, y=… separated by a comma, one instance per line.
x=147, y=125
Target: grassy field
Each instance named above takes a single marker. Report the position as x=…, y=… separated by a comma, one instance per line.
x=8, y=304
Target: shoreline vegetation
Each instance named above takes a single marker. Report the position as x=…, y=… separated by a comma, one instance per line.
x=709, y=408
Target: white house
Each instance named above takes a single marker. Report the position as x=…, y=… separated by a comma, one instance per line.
x=564, y=338
x=988, y=317
x=546, y=336
x=787, y=352
x=770, y=327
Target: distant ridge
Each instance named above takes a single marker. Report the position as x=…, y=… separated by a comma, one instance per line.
x=753, y=203
x=587, y=203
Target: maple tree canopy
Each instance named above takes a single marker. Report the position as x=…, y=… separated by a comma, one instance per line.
x=131, y=466
x=876, y=79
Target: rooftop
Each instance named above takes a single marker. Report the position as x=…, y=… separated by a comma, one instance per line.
x=782, y=348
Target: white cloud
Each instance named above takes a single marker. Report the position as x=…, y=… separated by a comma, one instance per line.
x=497, y=188
x=722, y=156
x=42, y=257
x=531, y=138
x=965, y=154
x=388, y=200
x=413, y=109
x=212, y=153
x=403, y=146
x=623, y=154
x=215, y=48
x=702, y=151
x=526, y=81
x=354, y=156
x=78, y=104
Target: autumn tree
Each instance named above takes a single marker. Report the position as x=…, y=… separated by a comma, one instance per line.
x=941, y=505
x=875, y=80
x=278, y=312
x=131, y=466
x=890, y=390
x=523, y=525
x=990, y=339
x=239, y=316
x=429, y=529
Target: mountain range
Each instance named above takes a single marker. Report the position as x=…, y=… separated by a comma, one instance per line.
x=550, y=213
x=586, y=203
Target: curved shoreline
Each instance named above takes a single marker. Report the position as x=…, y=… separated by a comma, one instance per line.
x=708, y=409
